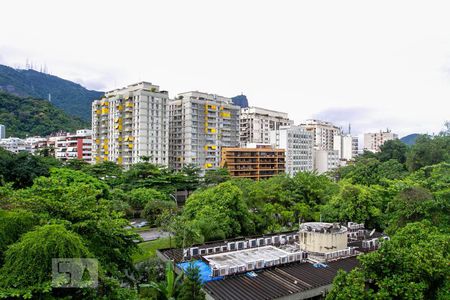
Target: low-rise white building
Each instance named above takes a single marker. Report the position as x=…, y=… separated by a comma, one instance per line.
x=74, y=146
x=15, y=145
x=298, y=145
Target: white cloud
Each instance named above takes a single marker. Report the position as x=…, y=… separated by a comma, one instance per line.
x=387, y=60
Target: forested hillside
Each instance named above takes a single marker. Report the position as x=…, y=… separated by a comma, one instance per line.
x=71, y=97
x=30, y=117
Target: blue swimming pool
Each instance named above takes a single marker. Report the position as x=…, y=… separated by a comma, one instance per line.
x=205, y=270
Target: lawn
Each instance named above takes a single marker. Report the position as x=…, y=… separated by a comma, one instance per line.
x=149, y=249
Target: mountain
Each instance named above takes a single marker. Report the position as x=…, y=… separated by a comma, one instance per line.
x=240, y=100
x=28, y=116
x=410, y=139
x=67, y=95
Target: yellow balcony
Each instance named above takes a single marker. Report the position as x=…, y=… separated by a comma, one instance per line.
x=130, y=146
x=105, y=110
x=225, y=114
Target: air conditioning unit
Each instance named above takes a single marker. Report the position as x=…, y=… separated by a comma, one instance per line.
x=291, y=257
x=223, y=271
x=282, y=239
x=232, y=246
x=276, y=239
x=260, y=264
x=298, y=256
x=241, y=268
x=261, y=242
x=240, y=245
x=251, y=266
x=284, y=259
x=202, y=251
x=268, y=241
x=232, y=270
x=215, y=272
x=224, y=248
x=252, y=243
x=217, y=249
x=194, y=251
x=210, y=250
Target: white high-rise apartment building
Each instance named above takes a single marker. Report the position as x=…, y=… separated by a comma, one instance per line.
x=257, y=123
x=200, y=125
x=326, y=160
x=130, y=123
x=323, y=133
x=299, y=147
x=373, y=141
x=347, y=146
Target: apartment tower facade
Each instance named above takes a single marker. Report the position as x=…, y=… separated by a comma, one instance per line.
x=373, y=141
x=257, y=123
x=254, y=162
x=323, y=133
x=131, y=123
x=299, y=146
x=201, y=124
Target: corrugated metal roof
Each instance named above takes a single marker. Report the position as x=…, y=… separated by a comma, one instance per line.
x=277, y=282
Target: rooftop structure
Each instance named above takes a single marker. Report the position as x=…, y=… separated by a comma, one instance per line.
x=275, y=266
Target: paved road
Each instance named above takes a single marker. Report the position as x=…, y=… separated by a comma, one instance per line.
x=152, y=234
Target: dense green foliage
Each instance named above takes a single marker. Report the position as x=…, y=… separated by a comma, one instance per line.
x=400, y=190
x=191, y=288
x=34, y=117
x=71, y=97
x=413, y=265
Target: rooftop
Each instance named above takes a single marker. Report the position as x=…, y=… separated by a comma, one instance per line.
x=296, y=278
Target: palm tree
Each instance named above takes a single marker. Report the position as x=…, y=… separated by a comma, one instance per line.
x=169, y=288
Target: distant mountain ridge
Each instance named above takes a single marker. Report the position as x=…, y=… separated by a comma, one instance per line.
x=71, y=97
x=410, y=139
x=24, y=117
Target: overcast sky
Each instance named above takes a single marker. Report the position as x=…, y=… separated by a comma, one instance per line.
x=376, y=64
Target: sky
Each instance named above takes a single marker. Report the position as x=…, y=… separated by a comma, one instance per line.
x=374, y=64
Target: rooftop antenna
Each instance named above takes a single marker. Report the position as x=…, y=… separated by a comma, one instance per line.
x=349, y=128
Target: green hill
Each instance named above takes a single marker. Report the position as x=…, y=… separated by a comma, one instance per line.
x=67, y=95
x=410, y=139
x=28, y=116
